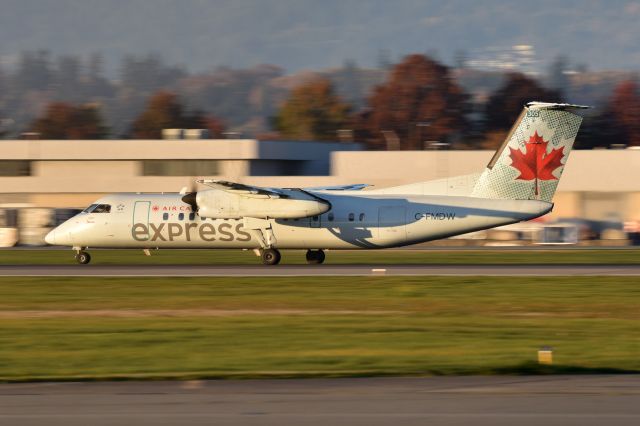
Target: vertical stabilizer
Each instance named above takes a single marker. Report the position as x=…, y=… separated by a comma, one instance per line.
x=529, y=163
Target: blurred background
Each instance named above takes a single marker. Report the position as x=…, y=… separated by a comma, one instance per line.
x=125, y=96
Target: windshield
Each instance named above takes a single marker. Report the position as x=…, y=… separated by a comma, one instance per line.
x=98, y=208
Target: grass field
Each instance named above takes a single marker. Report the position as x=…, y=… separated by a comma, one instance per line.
x=238, y=257
x=121, y=328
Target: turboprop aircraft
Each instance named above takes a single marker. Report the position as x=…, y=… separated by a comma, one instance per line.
x=517, y=185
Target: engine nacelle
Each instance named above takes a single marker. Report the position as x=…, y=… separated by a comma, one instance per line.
x=295, y=204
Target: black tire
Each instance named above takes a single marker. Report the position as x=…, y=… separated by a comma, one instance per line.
x=83, y=258
x=270, y=256
x=315, y=257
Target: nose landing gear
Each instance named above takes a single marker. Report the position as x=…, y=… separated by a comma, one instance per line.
x=270, y=256
x=82, y=257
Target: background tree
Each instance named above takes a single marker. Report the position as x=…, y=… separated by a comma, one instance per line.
x=506, y=103
x=420, y=101
x=164, y=111
x=34, y=71
x=615, y=122
x=557, y=77
x=312, y=112
x=148, y=73
x=599, y=130
x=243, y=98
x=67, y=79
x=65, y=121
x=3, y=118
x=215, y=126
x=625, y=108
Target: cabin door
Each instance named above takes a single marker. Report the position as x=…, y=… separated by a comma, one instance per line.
x=141, y=212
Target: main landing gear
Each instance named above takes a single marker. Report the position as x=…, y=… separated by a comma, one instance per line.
x=271, y=256
x=82, y=257
x=315, y=257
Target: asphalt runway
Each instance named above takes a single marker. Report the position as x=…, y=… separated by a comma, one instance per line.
x=315, y=270
x=480, y=401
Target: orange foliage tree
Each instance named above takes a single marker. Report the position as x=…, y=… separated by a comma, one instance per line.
x=65, y=121
x=625, y=108
x=420, y=101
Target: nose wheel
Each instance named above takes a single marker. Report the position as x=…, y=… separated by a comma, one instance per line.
x=315, y=257
x=83, y=257
x=270, y=256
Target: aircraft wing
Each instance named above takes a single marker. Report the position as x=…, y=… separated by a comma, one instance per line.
x=242, y=189
x=353, y=187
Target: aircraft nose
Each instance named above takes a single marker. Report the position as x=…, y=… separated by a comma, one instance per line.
x=50, y=238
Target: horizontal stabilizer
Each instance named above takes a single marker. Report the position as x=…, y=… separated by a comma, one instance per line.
x=551, y=105
x=352, y=187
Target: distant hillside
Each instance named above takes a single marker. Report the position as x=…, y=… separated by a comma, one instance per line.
x=297, y=34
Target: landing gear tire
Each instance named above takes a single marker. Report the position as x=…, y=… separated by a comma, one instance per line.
x=270, y=256
x=83, y=257
x=315, y=257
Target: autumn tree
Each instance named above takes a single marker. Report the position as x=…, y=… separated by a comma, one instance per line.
x=312, y=112
x=505, y=104
x=65, y=121
x=614, y=122
x=419, y=101
x=214, y=125
x=625, y=108
x=599, y=130
x=164, y=111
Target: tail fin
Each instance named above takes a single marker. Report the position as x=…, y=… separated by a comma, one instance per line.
x=530, y=161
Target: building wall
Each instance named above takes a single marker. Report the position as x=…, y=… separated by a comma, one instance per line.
x=632, y=208
x=88, y=169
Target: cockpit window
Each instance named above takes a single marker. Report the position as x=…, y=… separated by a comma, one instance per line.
x=98, y=208
x=102, y=208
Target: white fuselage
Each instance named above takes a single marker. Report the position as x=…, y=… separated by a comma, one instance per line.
x=357, y=219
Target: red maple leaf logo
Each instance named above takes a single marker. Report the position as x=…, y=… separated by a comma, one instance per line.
x=156, y=208
x=536, y=163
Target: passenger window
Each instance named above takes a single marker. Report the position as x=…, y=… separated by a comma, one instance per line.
x=165, y=216
x=192, y=216
x=330, y=217
x=181, y=216
x=361, y=217
x=351, y=217
x=316, y=218
x=102, y=208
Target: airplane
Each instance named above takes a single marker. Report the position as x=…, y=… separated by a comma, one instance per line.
x=517, y=185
